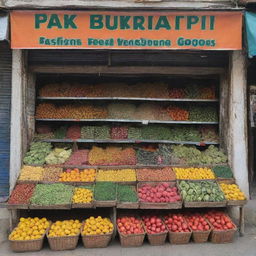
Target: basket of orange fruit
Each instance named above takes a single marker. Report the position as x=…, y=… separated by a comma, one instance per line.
x=83, y=197
x=29, y=234
x=78, y=177
x=97, y=232
x=64, y=235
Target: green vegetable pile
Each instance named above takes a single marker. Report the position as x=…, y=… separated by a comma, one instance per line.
x=60, y=133
x=87, y=132
x=102, y=132
x=186, y=134
x=164, y=152
x=52, y=194
x=156, y=133
x=37, y=153
x=191, y=155
x=105, y=191
x=43, y=136
x=58, y=156
x=209, y=114
x=134, y=133
x=146, y=157
x=202, y=191
x=223, y=172
x=209, y=134
x=126, y=193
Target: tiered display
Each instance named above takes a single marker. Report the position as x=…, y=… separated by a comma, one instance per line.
x=168, y=158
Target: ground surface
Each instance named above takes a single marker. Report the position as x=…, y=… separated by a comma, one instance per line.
x=242, y=246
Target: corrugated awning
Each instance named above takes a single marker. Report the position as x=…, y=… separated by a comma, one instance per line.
x=4, y=27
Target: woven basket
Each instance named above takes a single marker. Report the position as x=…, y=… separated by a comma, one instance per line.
x=105, y=203
x=236, y=202
x=157, y=239
x=96, y=241
x=133, y=240
x=63, y=243
x=223, y=236
x=46, y=207
x=27, y=246
x=17, y=206
x=88, y=205
x=226, y=180
x=200, y=236
x=179, y=237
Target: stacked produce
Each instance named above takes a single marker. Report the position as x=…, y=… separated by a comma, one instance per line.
x=158, y=193
x=51, y=174
x=101, y=132
x=97, y=226
x=37, y=153
x=79, y=157
x=232, y=192
x=105, y=191
x=119, y=133
x=123, y=175
x=121, y=111
x=43, y=136
x=134, y=133
x=176, y=223
x=223, y=172
x=30, y=229
x=31, y=173
x=82, y=195
x=209, y=114
x=52, y=194
x=153, y=224
x=74, y=132
x=177, y=113
x=197, y=222
x=208, y=92
x=65, y=228
x=191, y=155
x=60, y=132
x=112, y=156
x=87, y=132
x=192, y=91
x=147, y=111
x=201, y=191
x=43, y=129
x=21, y=194
x=130, y=225
x=126, y=193
x=186, y=134
x=176, y=93
x=86, y=111
x=209, y=134
x=156, y=132
x=147, y=156
x=219, y=220
x=164, y=152
x=58, y=156
x=192, y=173
x=75, y=175
x=164, y=174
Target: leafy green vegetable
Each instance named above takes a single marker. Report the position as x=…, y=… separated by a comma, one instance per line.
x=105, y=191
x=223, y=172
x=58, y=156
x=126, y=193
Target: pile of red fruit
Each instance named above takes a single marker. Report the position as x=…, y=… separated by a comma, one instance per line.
x=130, y=225
x=154, y=224
x=79, y=157
x=74, y=132
x=219, y=220
x=119, y=133
x=159, y=193
x=176, y=223
x=197, y=222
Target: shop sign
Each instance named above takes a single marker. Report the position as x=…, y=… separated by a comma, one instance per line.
x=250, y=21
x=126, y=30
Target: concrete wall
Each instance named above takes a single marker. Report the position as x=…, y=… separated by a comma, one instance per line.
x=4, y=224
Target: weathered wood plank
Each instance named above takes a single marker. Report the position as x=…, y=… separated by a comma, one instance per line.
x=127, y=70
x=174, y=4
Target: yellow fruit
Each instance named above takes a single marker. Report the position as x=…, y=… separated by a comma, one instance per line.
x=232, y=192
x=194, y=173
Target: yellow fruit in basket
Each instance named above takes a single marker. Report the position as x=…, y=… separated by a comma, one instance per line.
x=29, y=229
x=194, y=173
x=232, y=192
x=65, y=228
x=82, y=195
x=97, y=226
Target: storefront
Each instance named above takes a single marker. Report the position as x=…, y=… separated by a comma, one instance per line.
x=129, y=90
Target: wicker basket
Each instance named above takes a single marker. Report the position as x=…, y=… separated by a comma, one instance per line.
x=46, y=207
x=133, y=240
x=179, y=237
x=96, y=241
x=223, y=236
x=200, y=236
x=88, y=205
x=27, y=246
x=110, y=203
x=236, y=202
x=63, y=243
x=157, y=239
x=226, y=180
x=17, y=206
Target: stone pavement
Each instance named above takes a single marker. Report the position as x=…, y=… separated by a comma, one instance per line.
x=242, y=246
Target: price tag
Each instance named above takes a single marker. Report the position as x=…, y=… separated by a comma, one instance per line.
x=145, y=122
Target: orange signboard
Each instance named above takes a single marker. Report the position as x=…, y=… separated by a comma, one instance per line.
x=126, y=30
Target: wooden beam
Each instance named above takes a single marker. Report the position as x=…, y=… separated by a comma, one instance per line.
x=127, y=70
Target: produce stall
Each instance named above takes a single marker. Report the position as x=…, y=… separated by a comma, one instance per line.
x=135, y=150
